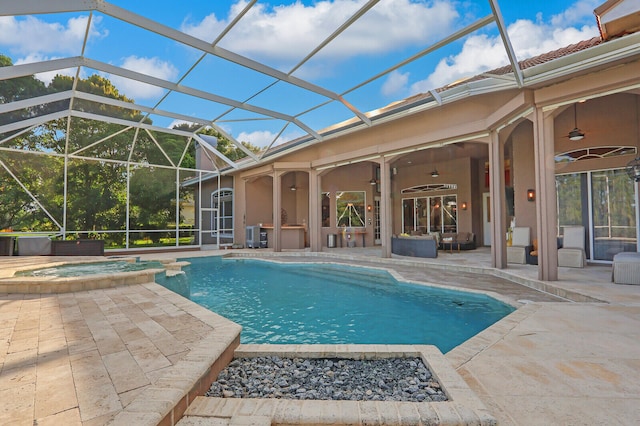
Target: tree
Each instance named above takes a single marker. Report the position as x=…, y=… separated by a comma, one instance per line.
x=16, y=89
x=224, y=145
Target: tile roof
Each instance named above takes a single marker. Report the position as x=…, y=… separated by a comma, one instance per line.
x=549, y=56
x=524, y=64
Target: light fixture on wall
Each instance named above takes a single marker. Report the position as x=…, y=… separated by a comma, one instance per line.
x=633, y=169
x=369, y=207
x=576, y=134
x=463, y=205
x=531, y=194
x=434, y=173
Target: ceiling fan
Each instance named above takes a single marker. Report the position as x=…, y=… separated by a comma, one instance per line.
x=576, y=134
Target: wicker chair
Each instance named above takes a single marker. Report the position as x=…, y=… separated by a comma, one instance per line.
x=572, y=253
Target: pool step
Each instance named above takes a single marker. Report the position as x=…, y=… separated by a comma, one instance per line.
x=346, y=276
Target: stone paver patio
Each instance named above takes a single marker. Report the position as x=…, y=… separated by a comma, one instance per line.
x=90, y=357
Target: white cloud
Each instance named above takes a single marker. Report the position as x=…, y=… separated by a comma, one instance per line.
x=395, y=82
x=576, y=13
x=30, y=35
x=46, y=77
x=264, y=31
x=154, y=67
x=483, y=52
x=34, y=40
x=263, y=138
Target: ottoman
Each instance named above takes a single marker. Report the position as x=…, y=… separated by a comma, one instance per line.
x=626, y=268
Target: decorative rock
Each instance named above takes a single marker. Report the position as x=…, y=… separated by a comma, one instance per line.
x=397, y=379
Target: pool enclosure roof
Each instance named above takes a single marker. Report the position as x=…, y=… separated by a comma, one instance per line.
x=278, y=85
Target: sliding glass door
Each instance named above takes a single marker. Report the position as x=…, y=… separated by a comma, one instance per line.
x=614, y=217
x=604, y=203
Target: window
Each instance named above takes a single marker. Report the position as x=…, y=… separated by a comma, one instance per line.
x=350, y=207
x=594, y=152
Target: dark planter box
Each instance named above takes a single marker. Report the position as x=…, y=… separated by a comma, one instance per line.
x=77, y=248
x=6, y=246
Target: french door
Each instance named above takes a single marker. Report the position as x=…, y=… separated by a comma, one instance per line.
x=430, y=214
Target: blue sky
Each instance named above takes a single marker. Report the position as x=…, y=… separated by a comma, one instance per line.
x=280, y=34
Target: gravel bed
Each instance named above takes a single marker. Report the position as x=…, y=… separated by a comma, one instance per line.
x=393, y=379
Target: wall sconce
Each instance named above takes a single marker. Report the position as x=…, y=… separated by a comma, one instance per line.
x=531, y=194
x=463, y=206
x=369, y=208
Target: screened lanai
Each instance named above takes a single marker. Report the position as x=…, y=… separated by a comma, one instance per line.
x=108, y=108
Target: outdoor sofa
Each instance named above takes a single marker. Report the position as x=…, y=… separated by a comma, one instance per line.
x=415, y=246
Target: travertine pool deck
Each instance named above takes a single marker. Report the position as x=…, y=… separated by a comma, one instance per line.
x=133, y=353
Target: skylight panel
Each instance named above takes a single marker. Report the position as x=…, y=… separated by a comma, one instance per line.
x=329, y=116
x=280, y=34
x=287, y=98
x=194, y=106
x=143, y=52
x=32, y=38
x=259, y=130
x=227, y=79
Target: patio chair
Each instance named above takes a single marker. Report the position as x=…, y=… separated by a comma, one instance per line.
x=572, y=253
x=520, y=245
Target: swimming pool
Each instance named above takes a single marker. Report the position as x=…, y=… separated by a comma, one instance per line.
x=324, y=303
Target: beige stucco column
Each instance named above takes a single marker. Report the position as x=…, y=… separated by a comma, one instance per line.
x=498, y=208
x=240, y=205
x=546, y=210
x=314, y=225
x=277, y=206
x=386, y=225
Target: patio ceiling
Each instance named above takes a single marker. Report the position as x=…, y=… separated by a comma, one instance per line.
x=200, y=81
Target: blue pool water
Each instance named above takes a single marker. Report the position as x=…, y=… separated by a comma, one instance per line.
x=94, y=268
x=313, y=303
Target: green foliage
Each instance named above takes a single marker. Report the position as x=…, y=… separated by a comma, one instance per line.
x=20, y=88
x=224, y=145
